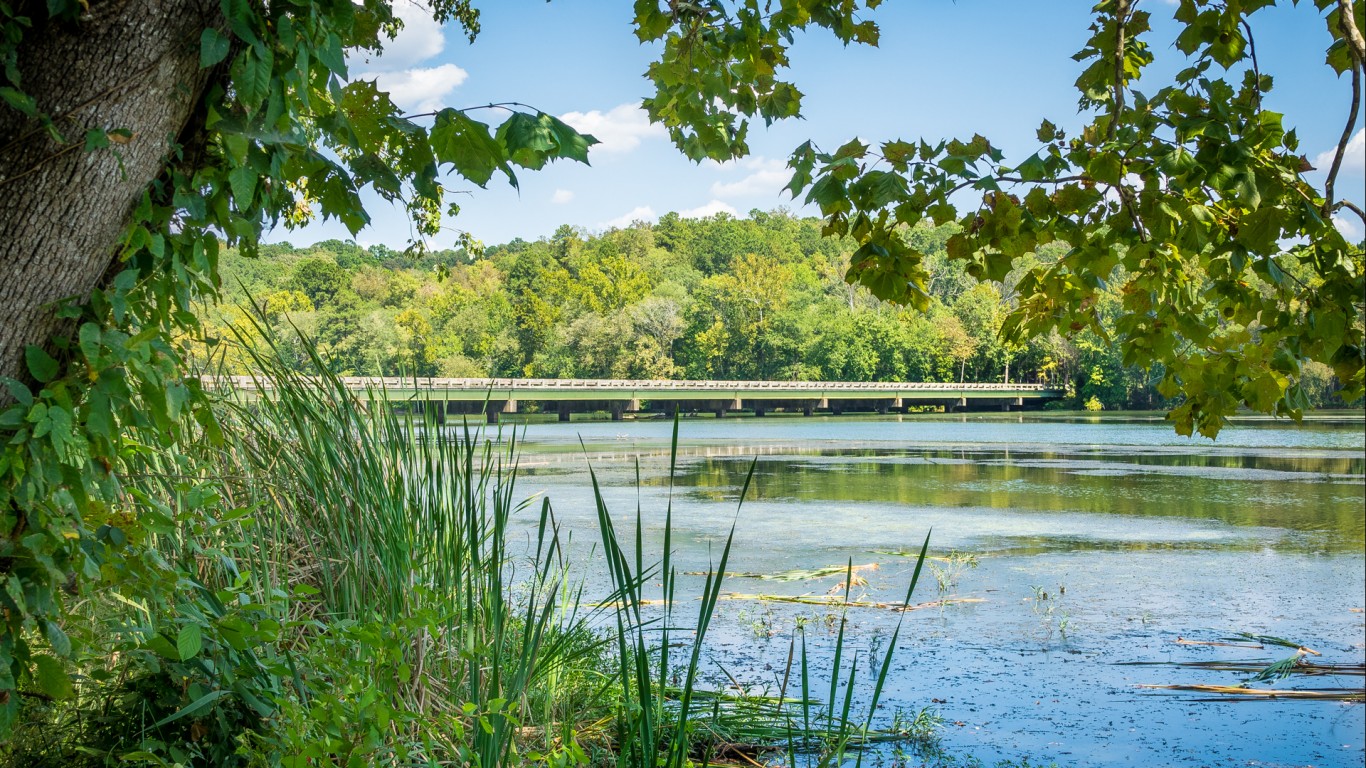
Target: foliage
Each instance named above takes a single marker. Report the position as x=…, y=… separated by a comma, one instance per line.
x=284, y=135
x=364, y=601
x=1178, y=200
x=1187, y=201
x=770, y=304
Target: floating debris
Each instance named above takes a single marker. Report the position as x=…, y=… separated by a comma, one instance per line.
x=1184, y=641
x=1236, y=691
x=830, y=601
x=799, y=574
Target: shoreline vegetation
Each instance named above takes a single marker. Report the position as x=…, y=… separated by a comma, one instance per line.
x=328, y=586
x=759, y=298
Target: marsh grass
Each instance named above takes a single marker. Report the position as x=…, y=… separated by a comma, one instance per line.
x=396, y=622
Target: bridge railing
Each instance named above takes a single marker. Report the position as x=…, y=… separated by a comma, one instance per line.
x=484, y=385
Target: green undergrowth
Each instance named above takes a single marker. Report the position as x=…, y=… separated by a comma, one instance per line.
x=319, y=581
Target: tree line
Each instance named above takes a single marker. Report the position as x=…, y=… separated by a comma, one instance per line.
x=763, y=297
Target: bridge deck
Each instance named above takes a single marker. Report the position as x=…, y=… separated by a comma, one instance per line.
x=473, y=390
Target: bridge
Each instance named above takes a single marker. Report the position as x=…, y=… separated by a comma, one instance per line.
x=493, y=397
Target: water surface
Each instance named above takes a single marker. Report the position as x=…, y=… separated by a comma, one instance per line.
x=1099, y=541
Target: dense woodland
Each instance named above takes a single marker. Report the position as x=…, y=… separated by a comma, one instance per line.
x=762, y=297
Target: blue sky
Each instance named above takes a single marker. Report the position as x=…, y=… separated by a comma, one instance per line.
x=943, y=69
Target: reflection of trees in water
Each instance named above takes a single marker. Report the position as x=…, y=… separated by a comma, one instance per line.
x=1323, y=495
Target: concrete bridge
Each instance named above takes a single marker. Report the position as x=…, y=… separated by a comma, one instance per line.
x=493, y=397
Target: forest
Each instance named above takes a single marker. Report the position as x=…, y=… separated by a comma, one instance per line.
x=762, y=297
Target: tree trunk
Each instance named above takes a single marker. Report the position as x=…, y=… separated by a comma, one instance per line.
x=127, y=64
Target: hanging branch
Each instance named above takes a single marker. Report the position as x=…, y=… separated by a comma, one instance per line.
x=1121, y=19
x=1348, y=23
x=1343, y=141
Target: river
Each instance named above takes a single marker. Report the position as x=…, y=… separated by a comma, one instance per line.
x=1074, y=550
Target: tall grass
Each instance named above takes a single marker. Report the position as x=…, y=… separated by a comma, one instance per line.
x=360, y=525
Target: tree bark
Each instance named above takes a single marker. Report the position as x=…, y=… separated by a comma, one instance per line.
x=127, y=64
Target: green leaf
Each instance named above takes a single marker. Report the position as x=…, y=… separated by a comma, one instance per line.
x=21, y=394
x=195, y=706
x=96, y=138
x=189, y=641
x=159, y=645
x=242, y=180
x=213, y=47
x=331, y=56
x=1105, y=168
x=529, y=140
x=251, y=77
x=468, y=145
x=570, y=143
x=1033, y=169
x=651, y=23
x=51, y=677
x=61, y=644
x=41, y=365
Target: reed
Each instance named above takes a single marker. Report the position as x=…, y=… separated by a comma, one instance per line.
x=361, y=524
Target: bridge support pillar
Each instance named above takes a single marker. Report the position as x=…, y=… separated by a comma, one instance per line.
x=759, y=410
x=721, y=412
x=883, y=408
x=496, y=409
x=897, y=404
x=808, y=409
x=563, y=410
x=618, y=410
x=633, y=406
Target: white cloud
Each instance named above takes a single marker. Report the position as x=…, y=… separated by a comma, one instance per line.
x=1349, y=228
x=619, y=129
x=710, y=209
x=639, y=213
x=1354, y=159
x=766, y=178
x=421, y=89
x=561, y=196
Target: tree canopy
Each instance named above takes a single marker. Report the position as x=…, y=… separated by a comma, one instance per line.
x=1188, y=200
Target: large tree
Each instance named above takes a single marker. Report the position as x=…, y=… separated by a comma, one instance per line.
x=137, y=137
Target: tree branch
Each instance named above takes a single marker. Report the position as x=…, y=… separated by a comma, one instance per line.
x=1342, y=142
x=1121, y=19
x=1348, y=23
x=1256, y=70
x=1349, y=205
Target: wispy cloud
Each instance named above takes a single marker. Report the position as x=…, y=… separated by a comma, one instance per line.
x=561, y=196
x=620, y=129
x=1350, y=229
x=639, y=213
x=397, y=70
x=1354, y=159
x=421, y=89
x=710, y=209
x=766, y=178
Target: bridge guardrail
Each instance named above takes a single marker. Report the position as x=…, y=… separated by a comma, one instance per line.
x=484, y=385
